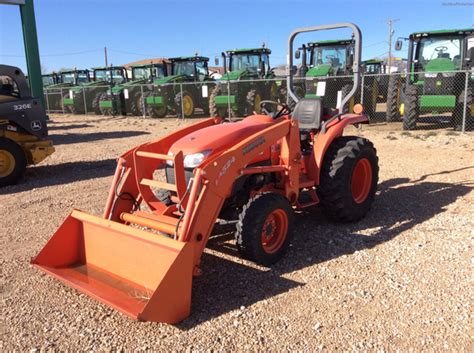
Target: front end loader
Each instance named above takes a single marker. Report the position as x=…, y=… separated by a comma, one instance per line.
x=167, y=195
x=23, y=127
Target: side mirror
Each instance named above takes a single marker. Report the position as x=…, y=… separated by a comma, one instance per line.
x=297, y=54
x=350, y=60
x=216, y=61
x=470, y=55
x=293, y=70
x=398, y=44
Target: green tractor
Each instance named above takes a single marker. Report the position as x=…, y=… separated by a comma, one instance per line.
x=375, y=83
x=328, y=75
x=56, y=92
x=126, y=98
x=85, y=98
x=329, y=62
x=183, y=91
x=254, y=82
x=436, y=79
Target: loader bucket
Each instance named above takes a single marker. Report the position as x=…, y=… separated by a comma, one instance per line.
x=144, y=275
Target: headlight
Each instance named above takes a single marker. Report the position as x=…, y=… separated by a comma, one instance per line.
x=448, y=74
x=431, y=75
x=191, y=160
x=71, y=95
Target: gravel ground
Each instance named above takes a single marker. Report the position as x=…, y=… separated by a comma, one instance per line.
x=399, y=279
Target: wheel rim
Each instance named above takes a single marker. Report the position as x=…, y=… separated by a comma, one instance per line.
x=361, y=180
x=258, y=99
x=274, y=231
x=188, y=105
x=7, y=163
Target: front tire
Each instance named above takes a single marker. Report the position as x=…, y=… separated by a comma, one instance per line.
x=12, y=162
x=349, y=178
x=187, y=105
x=264, y=228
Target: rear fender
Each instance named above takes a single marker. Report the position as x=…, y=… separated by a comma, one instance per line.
x=322, y=141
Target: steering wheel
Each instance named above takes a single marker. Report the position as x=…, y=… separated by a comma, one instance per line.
x=331, y=58
x=441, y=48
x=285, y=110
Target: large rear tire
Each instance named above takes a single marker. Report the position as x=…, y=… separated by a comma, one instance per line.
x=458, y=114
x=349, y=178
x=253, y=100
x=412, y=109
x=136, y=104
x=12, y=162
x=264, y=228
x=95, y=104
x=393, y=98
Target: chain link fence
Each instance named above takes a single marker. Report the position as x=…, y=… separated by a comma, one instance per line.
x=416, y=101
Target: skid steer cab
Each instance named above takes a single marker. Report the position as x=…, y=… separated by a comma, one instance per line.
x=23, y=130
x=166, y=196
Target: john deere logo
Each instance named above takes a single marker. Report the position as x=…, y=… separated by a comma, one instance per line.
x=36, y=125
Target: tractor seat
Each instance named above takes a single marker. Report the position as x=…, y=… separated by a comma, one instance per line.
x=308, y=112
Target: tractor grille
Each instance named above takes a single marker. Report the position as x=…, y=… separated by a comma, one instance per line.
x=169, y=170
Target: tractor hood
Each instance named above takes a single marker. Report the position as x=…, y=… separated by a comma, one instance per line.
x=234, y=75
x=224, y=136
x=440, y=65
x=79, y=88
x=169, y=79
x=320, y=70
x=121, y=87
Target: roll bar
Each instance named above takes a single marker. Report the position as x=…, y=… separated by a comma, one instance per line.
x=357, y=55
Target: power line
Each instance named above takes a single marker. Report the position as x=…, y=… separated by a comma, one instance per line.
x=49, y=55
x=129, y=52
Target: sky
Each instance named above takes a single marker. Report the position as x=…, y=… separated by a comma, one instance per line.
x=73, y=33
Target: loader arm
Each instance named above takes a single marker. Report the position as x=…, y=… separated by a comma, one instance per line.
x=216, y=177
x=134, y=165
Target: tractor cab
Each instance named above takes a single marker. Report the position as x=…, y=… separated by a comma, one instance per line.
x=112, y=74
x=50, y=79
x=374, y=66
x=193, y=67
x=326, y=69
x=329, y=57
x=148, y=72
x=75, y=77
x=250, y=63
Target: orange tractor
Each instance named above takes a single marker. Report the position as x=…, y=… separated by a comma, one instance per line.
x=141, y=255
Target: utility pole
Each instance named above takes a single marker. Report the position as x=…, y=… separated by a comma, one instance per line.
x=105, y=56
x=390, y=23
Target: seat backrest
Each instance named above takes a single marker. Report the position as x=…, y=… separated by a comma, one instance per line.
x=308, y=112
